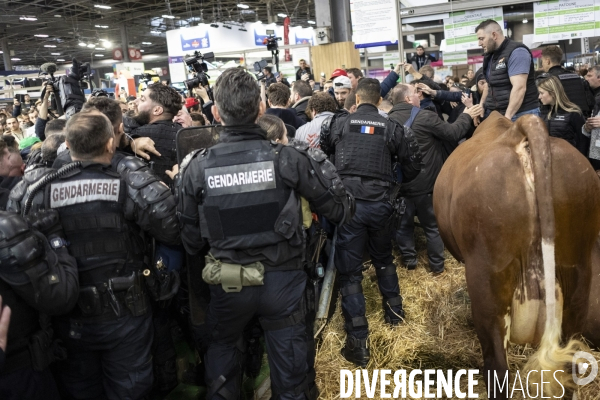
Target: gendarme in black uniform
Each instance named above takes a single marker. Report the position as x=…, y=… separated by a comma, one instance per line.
x=366, y=145
x=38, y=279
x=105, y=212
x=576, y=88
x=495, y=69
x=242, y=196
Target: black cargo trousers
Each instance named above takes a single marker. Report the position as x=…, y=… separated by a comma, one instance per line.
x=279, y=304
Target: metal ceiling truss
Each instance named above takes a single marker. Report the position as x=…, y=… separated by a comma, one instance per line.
x=70, y=22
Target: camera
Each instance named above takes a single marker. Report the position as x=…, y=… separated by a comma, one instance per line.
x=102, y=93
x=198, y=67
x=68, y=94
x=258, y=67
x=271, y=42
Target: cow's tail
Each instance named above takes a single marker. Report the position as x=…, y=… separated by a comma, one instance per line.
x=551, y=355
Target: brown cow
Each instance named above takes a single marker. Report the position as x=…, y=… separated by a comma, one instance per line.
x=521, y=209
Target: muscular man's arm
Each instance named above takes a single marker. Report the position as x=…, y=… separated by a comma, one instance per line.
x=519, y=86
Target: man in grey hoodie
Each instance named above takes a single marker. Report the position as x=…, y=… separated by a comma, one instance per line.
x=321, y=105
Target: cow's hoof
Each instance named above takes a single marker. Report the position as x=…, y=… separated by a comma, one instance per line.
x=356, y=351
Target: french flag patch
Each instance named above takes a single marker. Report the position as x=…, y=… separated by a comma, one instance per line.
x=369, y=130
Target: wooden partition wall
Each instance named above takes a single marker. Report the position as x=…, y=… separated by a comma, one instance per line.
x=327, y=57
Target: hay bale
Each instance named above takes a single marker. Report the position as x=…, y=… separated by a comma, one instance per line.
x=438, y=332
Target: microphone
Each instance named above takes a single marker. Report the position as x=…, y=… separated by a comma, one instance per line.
x=48, y=68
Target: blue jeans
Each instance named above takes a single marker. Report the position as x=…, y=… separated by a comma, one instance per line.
x=421, y=206
x=535, y=111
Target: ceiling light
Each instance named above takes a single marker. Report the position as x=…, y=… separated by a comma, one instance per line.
x=1, y=52
x=16, y=59
x=108, y=45
x=102, y=6
x=55, y=54
x=28, y=18
x=40, y=35
x=102, y=26
x=82, y=44
x=214, y=25
x=60, y=59
x=282, y=15
x=155, y=32
x=525, y=20
x=99, y=55
x=57, y=15
x=91, y=45
x=244, y=6
x=99, y=48
x=146, y=43
x=49, y=45
x=311, y=22
x=168, y=16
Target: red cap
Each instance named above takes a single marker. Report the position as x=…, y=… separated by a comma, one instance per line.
x=338, y=72
x=191, y=102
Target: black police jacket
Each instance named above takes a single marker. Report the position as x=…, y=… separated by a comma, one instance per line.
x=242, y=197
x=103, y=209
x=576, y=88
x=27, y=256
x=564, y=125
x=7, y=183
x=366, y=145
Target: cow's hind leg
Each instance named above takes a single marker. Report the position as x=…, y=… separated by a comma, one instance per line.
x=490, y=304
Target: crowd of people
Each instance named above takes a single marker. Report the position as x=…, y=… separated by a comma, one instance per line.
x=111, y=246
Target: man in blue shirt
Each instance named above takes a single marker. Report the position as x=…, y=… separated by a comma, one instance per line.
x=508, y=69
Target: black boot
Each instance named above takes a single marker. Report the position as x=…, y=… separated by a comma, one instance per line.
x=392, y=311
x=356, y=351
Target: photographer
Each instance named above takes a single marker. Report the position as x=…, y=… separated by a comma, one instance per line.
x=42, y=119
x=202, y=93
x=303, y=70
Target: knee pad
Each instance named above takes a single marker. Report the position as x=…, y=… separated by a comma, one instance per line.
x=228, y=385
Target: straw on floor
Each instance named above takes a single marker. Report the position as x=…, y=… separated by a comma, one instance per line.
x=438, y=332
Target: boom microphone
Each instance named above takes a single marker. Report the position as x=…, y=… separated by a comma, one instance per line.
x=48, y=68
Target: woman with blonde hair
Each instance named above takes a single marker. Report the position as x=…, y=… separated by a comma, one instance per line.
x=563, y=118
